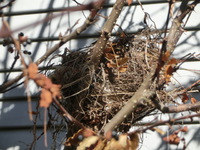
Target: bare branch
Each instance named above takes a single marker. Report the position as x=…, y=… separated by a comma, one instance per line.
x=164, y=123
x=105, y=33
x=176, y=29
x=175, y=109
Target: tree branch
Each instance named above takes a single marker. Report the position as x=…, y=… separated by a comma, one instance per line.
x=100, y=45
x=164, y=123
x=175, y=109
x=176, y=29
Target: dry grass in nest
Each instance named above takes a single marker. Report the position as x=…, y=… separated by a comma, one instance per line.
x=94, y=98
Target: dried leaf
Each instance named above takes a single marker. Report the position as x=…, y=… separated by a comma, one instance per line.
x=134, y=141
x=45, y=98
x=122, y=61
x=193, y=100
x=110, y=56
x=47, y=83
x=75, y=138
x=32, y=70
x=185, y=98
x=88, y=142
x=122, y=35
x=100, y=145
x=166, y=56
x=172, y=139
x=107, y=49
x=55, y=90
x=184, y=129
x=110, y=65
x=113, y=145
x=123, y=69
x=123, y=141
x=129, y=2
x=168, y=73
x=172, y=61
x=40, y=80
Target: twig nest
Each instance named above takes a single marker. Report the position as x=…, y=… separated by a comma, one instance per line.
x=95, y=96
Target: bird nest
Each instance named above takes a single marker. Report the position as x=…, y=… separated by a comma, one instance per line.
x=94, y=96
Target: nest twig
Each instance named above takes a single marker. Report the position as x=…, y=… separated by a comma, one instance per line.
x=95, y=96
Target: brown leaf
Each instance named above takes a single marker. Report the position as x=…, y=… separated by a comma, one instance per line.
x=47, y=83
x=129, y=2
x=113, y=145
x=55, y=89
x=193, y=100
x=184, y=129
x=166, y=56
x=88, y=142
x=123, y=141
x=32, y=70
x=107, y=49
x=172, y=139
x=134, y=141
x=109, y=56
x=110, y=65
x=122, y=61
x=185, y=98
x=88, y=132
x=100, y=145
x=168, y=73
x=40, y=80
x=123, y=69
x=75, y=138
x=45, y=98
x=172, y=61
x=122, y=35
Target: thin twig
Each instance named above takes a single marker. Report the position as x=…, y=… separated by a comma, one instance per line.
x=158, y=123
